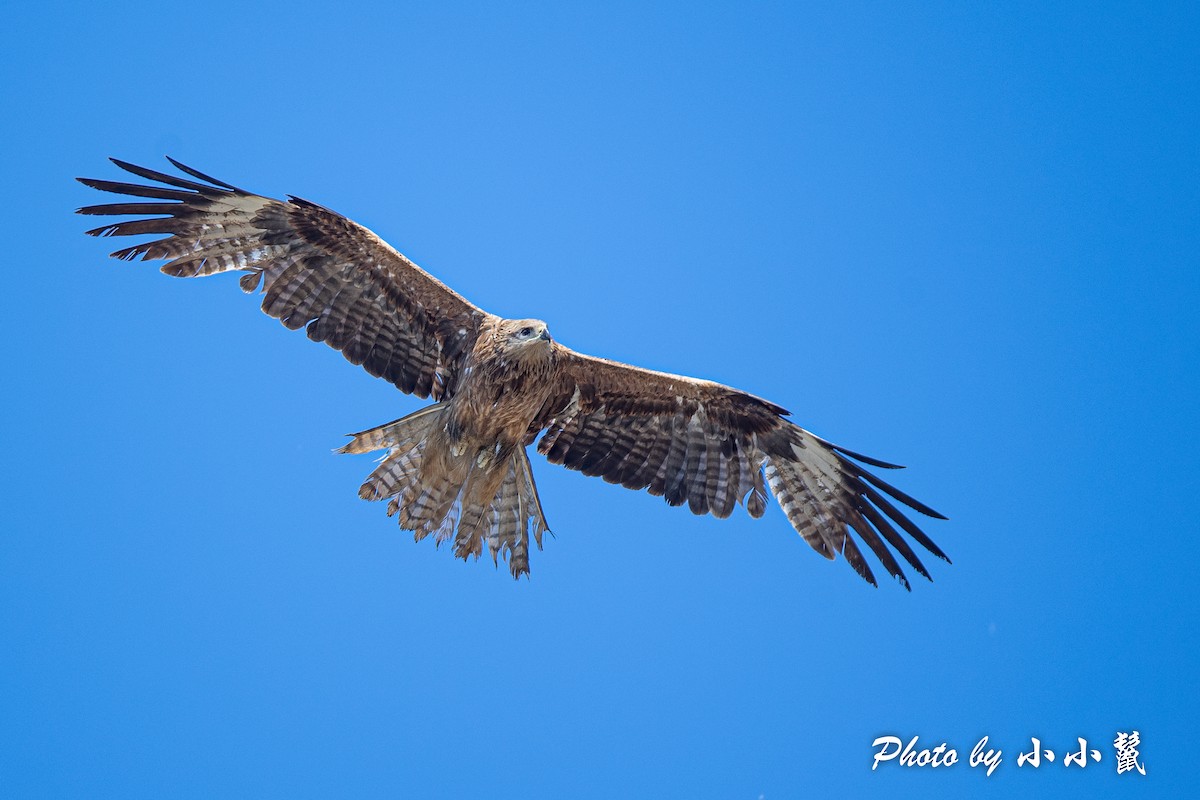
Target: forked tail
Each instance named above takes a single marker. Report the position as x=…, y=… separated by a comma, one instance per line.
x=436, y=492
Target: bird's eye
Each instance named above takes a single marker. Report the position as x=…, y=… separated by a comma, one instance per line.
x=526, y=332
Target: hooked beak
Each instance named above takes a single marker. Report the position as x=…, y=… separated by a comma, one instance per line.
x=545, y=335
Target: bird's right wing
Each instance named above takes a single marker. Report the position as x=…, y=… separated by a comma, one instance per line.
x=318, y=270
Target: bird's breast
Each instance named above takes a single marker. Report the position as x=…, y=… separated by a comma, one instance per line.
x=490, y=408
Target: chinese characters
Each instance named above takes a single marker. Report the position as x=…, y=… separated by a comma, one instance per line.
x=893, y=748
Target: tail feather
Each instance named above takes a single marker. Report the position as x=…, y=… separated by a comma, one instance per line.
x=397, y=433
x=530, y=509
x=508, y=534
x=433, y=491
x=427, y=500
x=391, y=476
x=445, y=529
x=476, y=520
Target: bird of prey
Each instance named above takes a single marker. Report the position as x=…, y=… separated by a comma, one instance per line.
x=458, y=469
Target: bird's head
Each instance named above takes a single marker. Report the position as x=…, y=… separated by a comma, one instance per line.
x=520, y=333
x=524, y=338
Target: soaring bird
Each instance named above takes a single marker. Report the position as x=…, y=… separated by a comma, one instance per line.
x=458, y=469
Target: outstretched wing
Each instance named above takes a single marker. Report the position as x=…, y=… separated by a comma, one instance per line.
x=317, y=269
x=713, y=447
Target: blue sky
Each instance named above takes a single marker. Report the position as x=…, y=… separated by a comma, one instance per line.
x=960, y=238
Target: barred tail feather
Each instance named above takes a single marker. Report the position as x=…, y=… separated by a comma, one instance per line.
x=402, y=432
x=453, y=497
x=502, y=517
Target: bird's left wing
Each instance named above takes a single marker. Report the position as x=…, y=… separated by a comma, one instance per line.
x=712, y=447
x=318, y=270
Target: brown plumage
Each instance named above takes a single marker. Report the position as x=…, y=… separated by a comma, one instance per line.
x=458, y=469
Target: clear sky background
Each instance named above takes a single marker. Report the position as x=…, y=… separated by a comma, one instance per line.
x=960, y=238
